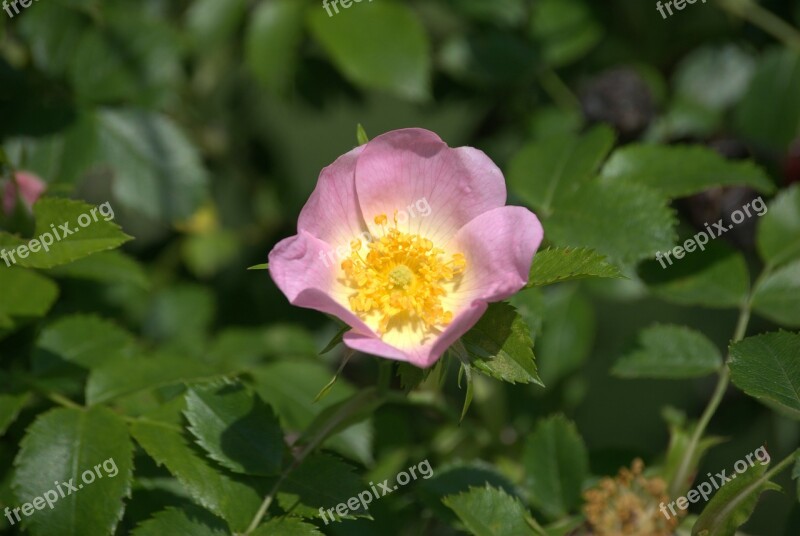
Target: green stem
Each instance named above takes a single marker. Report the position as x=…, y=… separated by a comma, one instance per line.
x=758, y=16
x=560, y=92
x=766, y=477
x=62, y=400
x=719, y=392
x=368, y=396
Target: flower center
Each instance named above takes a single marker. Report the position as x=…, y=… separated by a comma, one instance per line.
x=401, y=278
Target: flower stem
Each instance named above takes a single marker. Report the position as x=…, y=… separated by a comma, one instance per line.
x=758, y=16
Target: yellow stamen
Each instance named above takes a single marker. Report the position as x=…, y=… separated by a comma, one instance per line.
x=402, y=278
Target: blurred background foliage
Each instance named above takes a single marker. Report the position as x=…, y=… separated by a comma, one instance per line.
x=205, y=123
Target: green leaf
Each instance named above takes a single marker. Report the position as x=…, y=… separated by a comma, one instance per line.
x=73, y=229
x=188, y=520
x=673, y=352
x=286, y=526
x=716, y=277
x=567, y=333
x=361, y=135
x=490, y=512
x=714, y=77
x=290, y=388
x=680, y=171
x=681, y=434
x=796, y=476
x=25, y=293
x=121, y=378
x=54, y=35
x=769, y=113
x=234, y=499
x=547, y=170
x=105, y=267
x=500, y=346
x=767, y=367
x=779, y=229
x=778, y=296
x=457, y=477
x=133, y=58
x=88, y=341
x=156, y=170
x=733, y=504
x=556, y=464
x=211, y=23
x=236, y=428
x=272, y=43
x=10, y=406
x=624, y=221
x=403, y=67
x=566, y=29
x=62, y=446
x=264, y=266
x=555, y=265
x=322, y=481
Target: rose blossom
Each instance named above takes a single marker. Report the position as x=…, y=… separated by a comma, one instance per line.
x=31, y=188
x=408, y=287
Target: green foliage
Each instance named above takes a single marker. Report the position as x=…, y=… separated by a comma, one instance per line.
x=679, y=171
x=161, y=436
x=204, y=125
x=733, y=504
x=236, y=428
x=87, y=341
x=69, y=243
x=556, y=464
x=554, y=265
x=402, y=68
x=768, y=114
x=766, y=367
x=565, y=29
x=490, y=512
x=546, y=171
x=716, y=278
x=626, y=222
x=777, y=295
x=271, y=45
x=779, y=228
x=500, y=346
x=670, y=352
x=60, y=446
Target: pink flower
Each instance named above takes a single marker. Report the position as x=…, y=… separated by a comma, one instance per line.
x=407, y=241
x=31, y=188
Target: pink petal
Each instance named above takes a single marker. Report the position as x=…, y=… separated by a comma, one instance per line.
x=421, y=356
x=31, y=189
x=439, y=189
x=332, y=213
x=298, y=266
x=499, y=246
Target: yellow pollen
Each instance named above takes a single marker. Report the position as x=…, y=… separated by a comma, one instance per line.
x=401, y=277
